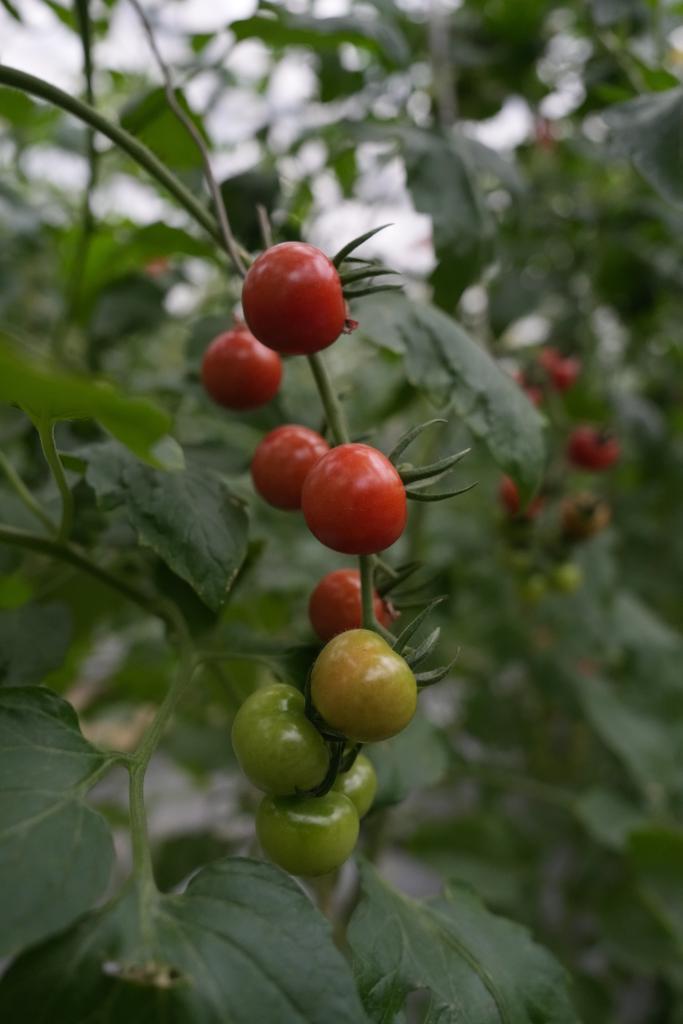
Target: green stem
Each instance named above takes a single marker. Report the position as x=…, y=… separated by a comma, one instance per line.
x=69, y=553
x=331, y=404
x=16, y=79
x=46, y=432
x=23, y=492
x=142, y=857
x=367, y=587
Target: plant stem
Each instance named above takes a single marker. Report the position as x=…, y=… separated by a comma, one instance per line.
x=366, y=584
x=16, y=79
x=69, y=553
x=227, y=236
x=23, y=492
x=331, y=404
x=45, y=430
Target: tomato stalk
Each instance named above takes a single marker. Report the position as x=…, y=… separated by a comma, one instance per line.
x=333, y=409
x=46, y=433
x=22, y=491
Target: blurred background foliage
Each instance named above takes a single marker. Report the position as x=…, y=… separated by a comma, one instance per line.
x=530, y=155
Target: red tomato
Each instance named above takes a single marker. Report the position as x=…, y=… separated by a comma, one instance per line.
x=509, y=496
x=592, y=449
x=533, y=393
x=239, y=372
x=354, y=500
x=293, y=300
x=283, y=460
x=335, y=604
x=562, y=370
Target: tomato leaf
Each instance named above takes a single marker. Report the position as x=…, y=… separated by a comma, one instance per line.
x=445, y=363
x=649, y=131
x=190, y=519
x=242, y=944
x=44, y=391
x=475, y=965
x=56, y=853
x=34, y=640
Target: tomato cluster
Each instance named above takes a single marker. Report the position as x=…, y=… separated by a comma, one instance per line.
x=541, y=554
x=302, y=750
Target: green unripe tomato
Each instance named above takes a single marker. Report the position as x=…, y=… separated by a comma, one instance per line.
x=534, y=588
x=362, y=688
x=359, y=784
x=567, y=577
x=278, y=748
x=307, y=835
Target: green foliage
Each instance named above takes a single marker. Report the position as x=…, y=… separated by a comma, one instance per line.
x=46, y=768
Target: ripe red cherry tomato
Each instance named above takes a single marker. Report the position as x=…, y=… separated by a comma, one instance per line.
x=239, y=372
x=562, y=370
x=283, y=460
x=307, y=835
x=354, y=500
x=591, y=449
x=508, y=493
x=335, y=604
x=293, y=300
x=362, y=688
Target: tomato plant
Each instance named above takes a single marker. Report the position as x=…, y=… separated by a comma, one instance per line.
x=447, y=694
x=283, y=460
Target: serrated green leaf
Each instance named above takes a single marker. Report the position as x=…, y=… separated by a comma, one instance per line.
x=34, y=640
x=242, y=944
x=47, y=392
x=445, y=363
x=190, y=519
x=649, y=131
x=475, y=965
x=56, y=853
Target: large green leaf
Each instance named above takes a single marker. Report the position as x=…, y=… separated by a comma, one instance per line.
x=645, y=744
x=649, y=131
x=34, y=640
x=456, y=372
x=443, y=184
x=47, y=392
x=56, y=853
x=190, y=519
x=278, y=27
x=242, y=944
x=476, y=967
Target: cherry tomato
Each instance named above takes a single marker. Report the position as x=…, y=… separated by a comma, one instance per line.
x=283, y=460
x=239, y=372
x=562, y=370
x=307, y=835
x=278, y=748
x=592, y=449
x=293, y=300
x=534, y=588
x=359, y=784
x=354, y=500
x=508, y=493
x=362, y=688
x=335, y=604
x=567, y=577
x=584, y=515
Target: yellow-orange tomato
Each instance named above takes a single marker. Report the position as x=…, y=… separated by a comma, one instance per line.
x=362, y=688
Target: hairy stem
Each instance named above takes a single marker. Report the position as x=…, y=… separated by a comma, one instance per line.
x=16, y=79
x=227, y=236
x=24, y=494
x=331, y=404
x=45, y=430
